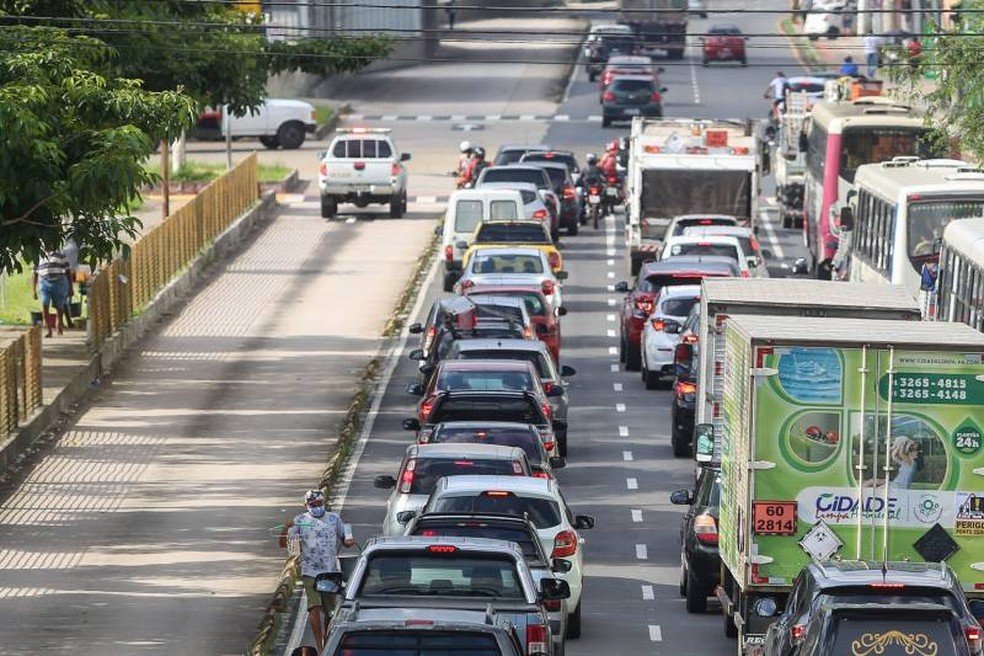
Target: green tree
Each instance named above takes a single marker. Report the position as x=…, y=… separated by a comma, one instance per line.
x=72, y=143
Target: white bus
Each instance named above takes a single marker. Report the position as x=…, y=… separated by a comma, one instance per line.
x=900, y=210
x=960, y=281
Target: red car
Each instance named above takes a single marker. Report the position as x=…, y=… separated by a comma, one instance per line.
x=546, y=318
x=724, y=43
x=640, y=300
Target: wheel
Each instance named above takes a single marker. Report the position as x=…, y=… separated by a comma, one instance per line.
x=574, y=622
x=449, y=279
x=269, y=142
x=290, y=135
x=605, y=121
x=622, y=348
x=744, y=61
x=705, y=62
x=573, y=228
x=650, y=378
x=329, y=207
x=696, y=595
x=562, y=442
x=680, y=443
x=683, y=574
x=397, y=204
x=787, y=221
x=633, y=357
x=555, y=235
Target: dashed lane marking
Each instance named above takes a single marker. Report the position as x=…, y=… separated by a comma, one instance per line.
x=627, y=456
x=655, y=633
x=637, y=518
x=611, y=274
x=771, y=232
x=642, y=553
x=631, y=484
x=623, y=431
x=611, y=288
x=612, y=350
x=614, y=368
x=609, y=333
x=611, y=262
x=350, y=220
x=647, y=593
x=612, y=302
x=610, y=317
x=617, y=387
x=619, y=407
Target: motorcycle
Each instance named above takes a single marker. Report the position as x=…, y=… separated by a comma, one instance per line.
x=594, y=204
x=612, y=195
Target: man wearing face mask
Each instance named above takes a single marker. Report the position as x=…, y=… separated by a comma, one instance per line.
x=318, y=532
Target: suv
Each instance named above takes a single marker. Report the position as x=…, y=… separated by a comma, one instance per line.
x=661, y=331
x=700, y=564
x=526, y=173
x=501, y=433
x=513, y=153
x=562, y=179
x=467, y=210
x=679, y=224
x=627, y=96
x=363, y=166
x=899, y=584
x=277, y=122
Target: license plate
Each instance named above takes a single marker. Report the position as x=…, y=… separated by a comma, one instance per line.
x=594, y=199
x=632, y=111
x=611, y=191
x=360, y=189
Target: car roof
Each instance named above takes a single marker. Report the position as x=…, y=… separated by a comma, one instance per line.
x=705, y=216
x=634, y=76
x=712, y=263
x=467, y=365
x=517, y=287
x=545, y=164
x=860, y=572
x=505, y=184
x=723, y=230
x=695, y=239
x=629, y=59
x=488, y=299
x=671, y=291
x=408, y=542
x=515, y=146
x=512, y=167
x=503, y=250
x=528, y=485
x=466, y=449
x=495, y=193
x=511, y=222
x=485, y=424
x=503, y=344
x=611, y=28
x=483, y=517
x=713, y=28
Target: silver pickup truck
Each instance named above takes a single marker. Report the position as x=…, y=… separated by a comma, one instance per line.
x=362, y=166
x=454, y=573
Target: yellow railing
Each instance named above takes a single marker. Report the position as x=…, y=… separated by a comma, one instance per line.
x=20, y=376
x=126, y=285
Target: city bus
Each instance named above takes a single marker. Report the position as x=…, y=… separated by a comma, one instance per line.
x=960, y=281
x=899, y=210
x=840, y=137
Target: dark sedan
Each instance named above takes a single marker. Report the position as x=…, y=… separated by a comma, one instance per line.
x=700, y=563
x=629, y=96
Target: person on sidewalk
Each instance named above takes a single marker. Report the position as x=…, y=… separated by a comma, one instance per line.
x=451, y=8
x=318, y=534
x=913, y=48
x=872, y=52
x=849, y=67
x=53, y=279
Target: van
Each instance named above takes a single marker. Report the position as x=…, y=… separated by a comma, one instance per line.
x=467, y=208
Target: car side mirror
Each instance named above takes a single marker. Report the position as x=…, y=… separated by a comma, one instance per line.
x=704, y=442
x=766, y=253
x=555, y=391
x=461, y=244
x=560, y=275
x=331, y=583
x=622, y=287
x=847, y=218
x=584, y=522
x=411, y=424
x=554, y=589
x=385, y=482
x=415, y=329
x=427, y=369
x=404, y=517
x=566, y=371
x=415, y=389
x=682, y=498
x=561, y=311
x=416, y=354
x=663, y=89
x=558, y=462
x=561, y=566
x=404, y=157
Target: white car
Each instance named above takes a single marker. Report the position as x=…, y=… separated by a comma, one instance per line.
x=497, y=265
x=425, y=464
x=680, y=223
x=661, y=331
x=746, y=238
x=362, y=166
x=534, y=206
x=278, y=122
x=467, y=209
x=542, y=503
x=824, y=19
x=711, y=245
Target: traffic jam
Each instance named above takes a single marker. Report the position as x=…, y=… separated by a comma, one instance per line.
x=830, y=408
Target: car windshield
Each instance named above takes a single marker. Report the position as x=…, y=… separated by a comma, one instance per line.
x=682, y=224
x=544, y=513
x=475, y=528
x=495, y=311
x=724, y=31
x=503, y=174
x=522, y=410
x=509, y=157
x=892, y=633
x=507, y=263
x=867, y=595
x=537, y=358
x=679, y=306
x=927, y=220
x=425, y=472
x=417, y=643
x=485, y=380
x=526, y=439
x=467, y=215
x=866, y=144
x=449, y=572
x=503, y=210
x=563, y=158
x=518, y=233
x=703, y=248
x=632, y=86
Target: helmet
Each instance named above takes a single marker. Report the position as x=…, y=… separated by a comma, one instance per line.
x=590, y=158
x=612, y=145
x=314, y=498
x=465, y=146
x=479, y=152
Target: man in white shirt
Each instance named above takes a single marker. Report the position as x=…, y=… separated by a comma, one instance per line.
x=872, y=46
x=777, y=92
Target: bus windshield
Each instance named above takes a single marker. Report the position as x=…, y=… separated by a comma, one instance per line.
x=928, y=219
x=867, y=144
x=669, y=192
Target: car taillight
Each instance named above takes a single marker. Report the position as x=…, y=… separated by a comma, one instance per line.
x=540, y=214
x=541, y=474
x=656, y=97
x=684, y=388
x=547, y=410
x=569, y=193
x=565, y=545
x=465, y=284
x=552, y=605
x=406, y=479
x=745, y=274
x=548, y=446
x=658, y=324
x=428, y=533
x=395, y=169
x=644, y=304
x=887, y=586
x=973, y=635
x=547, y=287
x=612, y=179
x=705, y=529
x=425, y=408
x=442, y=548
x=323, y=169
x=690, y=338
x=449, y=252
x=608, y=96
x=797, y=631
x=359, y=166
x=553, y=259
x=536, y=638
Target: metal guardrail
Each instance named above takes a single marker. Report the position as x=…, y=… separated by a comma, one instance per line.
x=20, y=376
x=127, y=284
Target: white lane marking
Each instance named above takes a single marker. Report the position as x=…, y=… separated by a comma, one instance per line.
x=354, y=117
x=610, y=239
x=424, y=117
x=647, y=593
x=425, y=200
x=610, y=317
x=619, y=407
x=611, y=288
x=642, y=553
x=769, y=230
x=694, y=84
x=655, y=633
x=627, y=456
x=637, y=518
x=594, y=117
x=350, y=220
x=610, y=251
x=388, y=117
x=617, y=387
x=562, y=117
x=631, y=484
x=623, y=431
x=458, y=117
x=611, y=262
x=531, y=117
x=611, y=274
x=612, y=350
x=612, y=302
x=493, y=117
x=610, y=333
x=614, y=368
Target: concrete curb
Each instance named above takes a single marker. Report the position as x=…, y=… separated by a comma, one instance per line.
x=19, y=444
x=329, y=126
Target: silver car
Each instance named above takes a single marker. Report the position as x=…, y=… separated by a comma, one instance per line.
x=424, y=464
x=512, y=265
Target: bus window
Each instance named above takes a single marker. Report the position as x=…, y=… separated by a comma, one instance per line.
x=864, y=145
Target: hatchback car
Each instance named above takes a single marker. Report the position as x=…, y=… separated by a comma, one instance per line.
x=625, y=65
x=508, y=266
x=628, y=96
x=724, y=43
x=754, y=254
x=661, y=331
x=700, y=563
x=501, y=433
x=683, y=405
x=541, y=502
x=546, y=317
x=604, y=41
x=424, y=464
x=718, y=245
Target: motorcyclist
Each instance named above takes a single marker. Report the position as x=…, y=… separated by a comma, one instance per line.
x=469, y=174
x=609, y=162
x=464, y=158
x=592, y=176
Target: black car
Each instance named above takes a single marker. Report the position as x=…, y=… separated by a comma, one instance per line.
x=563, y=156
x=886, y=630
x=897, y=584
x=700, y=563
x=513, y=153
x=628, y=96
x=499, y=433
x=563, y=185
x=683, y=406
x=499, y=405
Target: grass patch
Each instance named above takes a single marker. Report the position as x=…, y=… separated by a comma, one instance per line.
x=202, y=172
x=16, y=299
x=273, y=172
x=322, y=113
x=804, y=48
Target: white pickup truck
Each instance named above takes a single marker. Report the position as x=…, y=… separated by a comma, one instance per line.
x=278, y=122
x=363, y=166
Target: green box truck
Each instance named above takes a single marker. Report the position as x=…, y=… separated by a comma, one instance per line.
x=846, y=438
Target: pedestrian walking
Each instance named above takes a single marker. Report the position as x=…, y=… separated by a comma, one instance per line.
x=451, y=8
x=849, y=67
x=318, y=533
x=872, y=52
x=53, y=281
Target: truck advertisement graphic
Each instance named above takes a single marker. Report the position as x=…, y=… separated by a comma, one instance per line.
x=898, y=445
